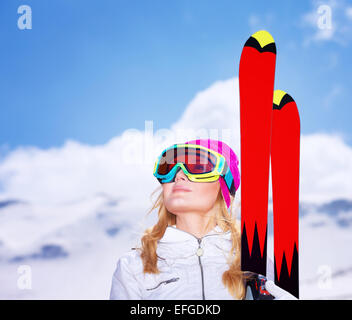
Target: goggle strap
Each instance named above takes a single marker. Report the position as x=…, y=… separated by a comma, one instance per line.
x=228, y=178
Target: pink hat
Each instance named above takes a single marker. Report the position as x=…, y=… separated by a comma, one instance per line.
x=232, y=161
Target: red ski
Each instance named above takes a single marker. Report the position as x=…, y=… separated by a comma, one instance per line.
x=256, y=84
x=285, y=154
x=270, y=128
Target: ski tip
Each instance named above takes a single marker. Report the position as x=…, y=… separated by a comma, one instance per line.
x=281, y=98
x=263, y=37
x=263, y=41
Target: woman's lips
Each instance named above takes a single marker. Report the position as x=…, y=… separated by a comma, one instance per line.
x=180, y=188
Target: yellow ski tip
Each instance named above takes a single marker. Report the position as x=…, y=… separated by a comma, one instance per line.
x=278, y=95
x=263, y=37
x=281, y=98
x=262, y=41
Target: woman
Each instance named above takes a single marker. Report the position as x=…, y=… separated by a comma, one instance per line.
x=193, y=251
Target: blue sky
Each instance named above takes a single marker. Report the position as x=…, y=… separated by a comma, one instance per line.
x=88, y=70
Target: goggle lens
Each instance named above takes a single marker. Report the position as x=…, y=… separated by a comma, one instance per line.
x=196, y=160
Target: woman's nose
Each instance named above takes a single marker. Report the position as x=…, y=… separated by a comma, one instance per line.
x=180, y=175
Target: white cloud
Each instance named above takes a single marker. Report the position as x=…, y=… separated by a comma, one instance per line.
x=214, y=111
x=326, y=168
x=58, y=175
x=349, y=12
x=76, y=171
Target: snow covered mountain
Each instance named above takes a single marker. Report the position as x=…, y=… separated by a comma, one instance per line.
x=71, y=250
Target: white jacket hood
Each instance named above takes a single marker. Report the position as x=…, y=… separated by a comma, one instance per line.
x=191, y=268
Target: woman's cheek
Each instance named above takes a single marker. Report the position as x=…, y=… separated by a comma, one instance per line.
x=167, y=189
x=203, y=194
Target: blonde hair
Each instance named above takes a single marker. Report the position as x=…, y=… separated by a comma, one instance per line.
x=231, y=278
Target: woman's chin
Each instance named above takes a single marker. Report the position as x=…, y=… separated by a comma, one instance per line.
x=178, y=205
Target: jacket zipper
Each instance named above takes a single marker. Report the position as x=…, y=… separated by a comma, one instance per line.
x=201, y=268
x=166, y=282
x=199, y=260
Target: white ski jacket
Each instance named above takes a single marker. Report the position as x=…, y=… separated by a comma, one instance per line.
x=191, y=268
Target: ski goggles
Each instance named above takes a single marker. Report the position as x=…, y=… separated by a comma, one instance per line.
x=198, y=163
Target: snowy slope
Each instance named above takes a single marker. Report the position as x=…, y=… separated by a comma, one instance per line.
x=71, y=249
x=74, y=257
x=325, y=258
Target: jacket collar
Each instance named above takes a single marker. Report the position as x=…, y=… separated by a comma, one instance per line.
x=179, y=244
x=172, y=234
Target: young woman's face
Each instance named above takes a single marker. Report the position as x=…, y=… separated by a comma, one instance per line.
x=199, y=196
